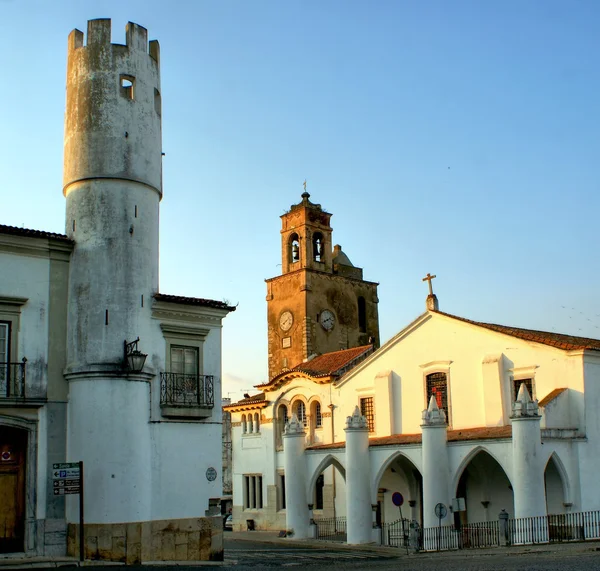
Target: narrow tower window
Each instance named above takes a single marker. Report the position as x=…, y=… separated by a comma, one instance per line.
x=157, y=102
x=362, y=314
x=127, y=83
x=317, y=243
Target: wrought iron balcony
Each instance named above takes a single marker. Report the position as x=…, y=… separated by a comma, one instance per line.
x=12, y=380
x=184, y=395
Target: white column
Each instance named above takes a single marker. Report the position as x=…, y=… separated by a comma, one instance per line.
x=359, y=515
x=528, y=467
x=296, y=504
x=436, y=470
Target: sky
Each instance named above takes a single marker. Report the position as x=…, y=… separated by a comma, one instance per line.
x=458, y=138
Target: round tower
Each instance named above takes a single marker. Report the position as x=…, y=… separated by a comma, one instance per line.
x=112, y=184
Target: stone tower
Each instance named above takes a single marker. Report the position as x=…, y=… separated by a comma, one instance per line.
x=320, y=303
x=113, y=185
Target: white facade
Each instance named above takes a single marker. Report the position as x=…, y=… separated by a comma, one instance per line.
x=74, y=306
x=526, y=458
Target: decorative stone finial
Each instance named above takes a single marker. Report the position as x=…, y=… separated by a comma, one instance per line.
x=433, y=415
x=524, y=406
x=357, y=420
x=294, y=426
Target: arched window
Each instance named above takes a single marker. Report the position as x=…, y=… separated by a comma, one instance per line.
x=244, y=425
x=437, y=386
x=282, y=418
x=317, y=247
x=250, y=428
x=318, y=417
x=300, y=411
x=294, y=248
x=362, y=314
x=256, y=422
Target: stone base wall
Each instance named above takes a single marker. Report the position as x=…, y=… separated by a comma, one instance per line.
x=197, y=539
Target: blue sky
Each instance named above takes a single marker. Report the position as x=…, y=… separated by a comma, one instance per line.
x=458, y=138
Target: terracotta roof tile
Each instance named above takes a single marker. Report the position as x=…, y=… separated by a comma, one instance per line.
x=464, y=434
x=193, y=301
x=551, y=396
x=558, y=340
x=251, y=400
x=13, y=230
x=334, y=363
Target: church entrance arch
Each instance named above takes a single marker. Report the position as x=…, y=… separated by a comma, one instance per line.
x=557, y=488
x=327, y=489
x=485, y=488
x=399, y=474
x=13, y=470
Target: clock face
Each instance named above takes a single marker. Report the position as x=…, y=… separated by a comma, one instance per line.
x=285, y=320
x=327, y=320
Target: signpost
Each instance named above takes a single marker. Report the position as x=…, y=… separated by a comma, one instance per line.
x=440, y=512
x=398, y=500
x=67, y=478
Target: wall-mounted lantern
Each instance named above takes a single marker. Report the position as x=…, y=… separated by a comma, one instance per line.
x=133, y=359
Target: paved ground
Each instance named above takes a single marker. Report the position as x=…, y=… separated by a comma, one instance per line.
x=245, y=551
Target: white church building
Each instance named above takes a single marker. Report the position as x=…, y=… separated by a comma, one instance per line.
x=97, y=365
x=482, y=418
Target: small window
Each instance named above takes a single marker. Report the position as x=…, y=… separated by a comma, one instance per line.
x=517, y=385
x=362, y=315
x=367, y=409
x=281, y=491
x=157, y=102
x=244, y=424
x=437, y=386
x=318, y=416
x=184, y=360
x=250, y=424
x=253, y=493
x=300, y=410
x=127, y=84
x=256, y=422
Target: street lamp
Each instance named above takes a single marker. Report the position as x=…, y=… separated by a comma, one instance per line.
x=133, y=358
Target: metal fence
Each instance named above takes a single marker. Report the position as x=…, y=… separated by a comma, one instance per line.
x=553, y=528
x=331, y=528
x=12, y=379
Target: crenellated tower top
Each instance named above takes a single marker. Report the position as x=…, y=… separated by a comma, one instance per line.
x=113, y=112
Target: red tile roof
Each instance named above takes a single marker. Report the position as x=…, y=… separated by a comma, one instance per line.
x=334, y=363
x=13, y=230
x=247, y=402
x=193, y=301
x=464, y=434
x=558, y=340
x=551, y=396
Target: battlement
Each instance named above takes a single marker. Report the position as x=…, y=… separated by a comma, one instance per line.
x=99, y=34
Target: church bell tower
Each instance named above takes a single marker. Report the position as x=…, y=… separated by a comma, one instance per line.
x=320, y=303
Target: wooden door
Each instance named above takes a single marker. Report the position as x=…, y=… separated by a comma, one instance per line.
x=13, y=445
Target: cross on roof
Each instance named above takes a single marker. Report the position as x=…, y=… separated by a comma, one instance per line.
x=428, y=278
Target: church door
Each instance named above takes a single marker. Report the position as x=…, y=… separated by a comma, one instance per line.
x=13, y=445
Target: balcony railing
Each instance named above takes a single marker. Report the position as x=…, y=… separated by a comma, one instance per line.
x=180, y=390
x=12, y=380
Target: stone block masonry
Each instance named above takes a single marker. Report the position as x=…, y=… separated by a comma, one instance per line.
x=195, y=539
